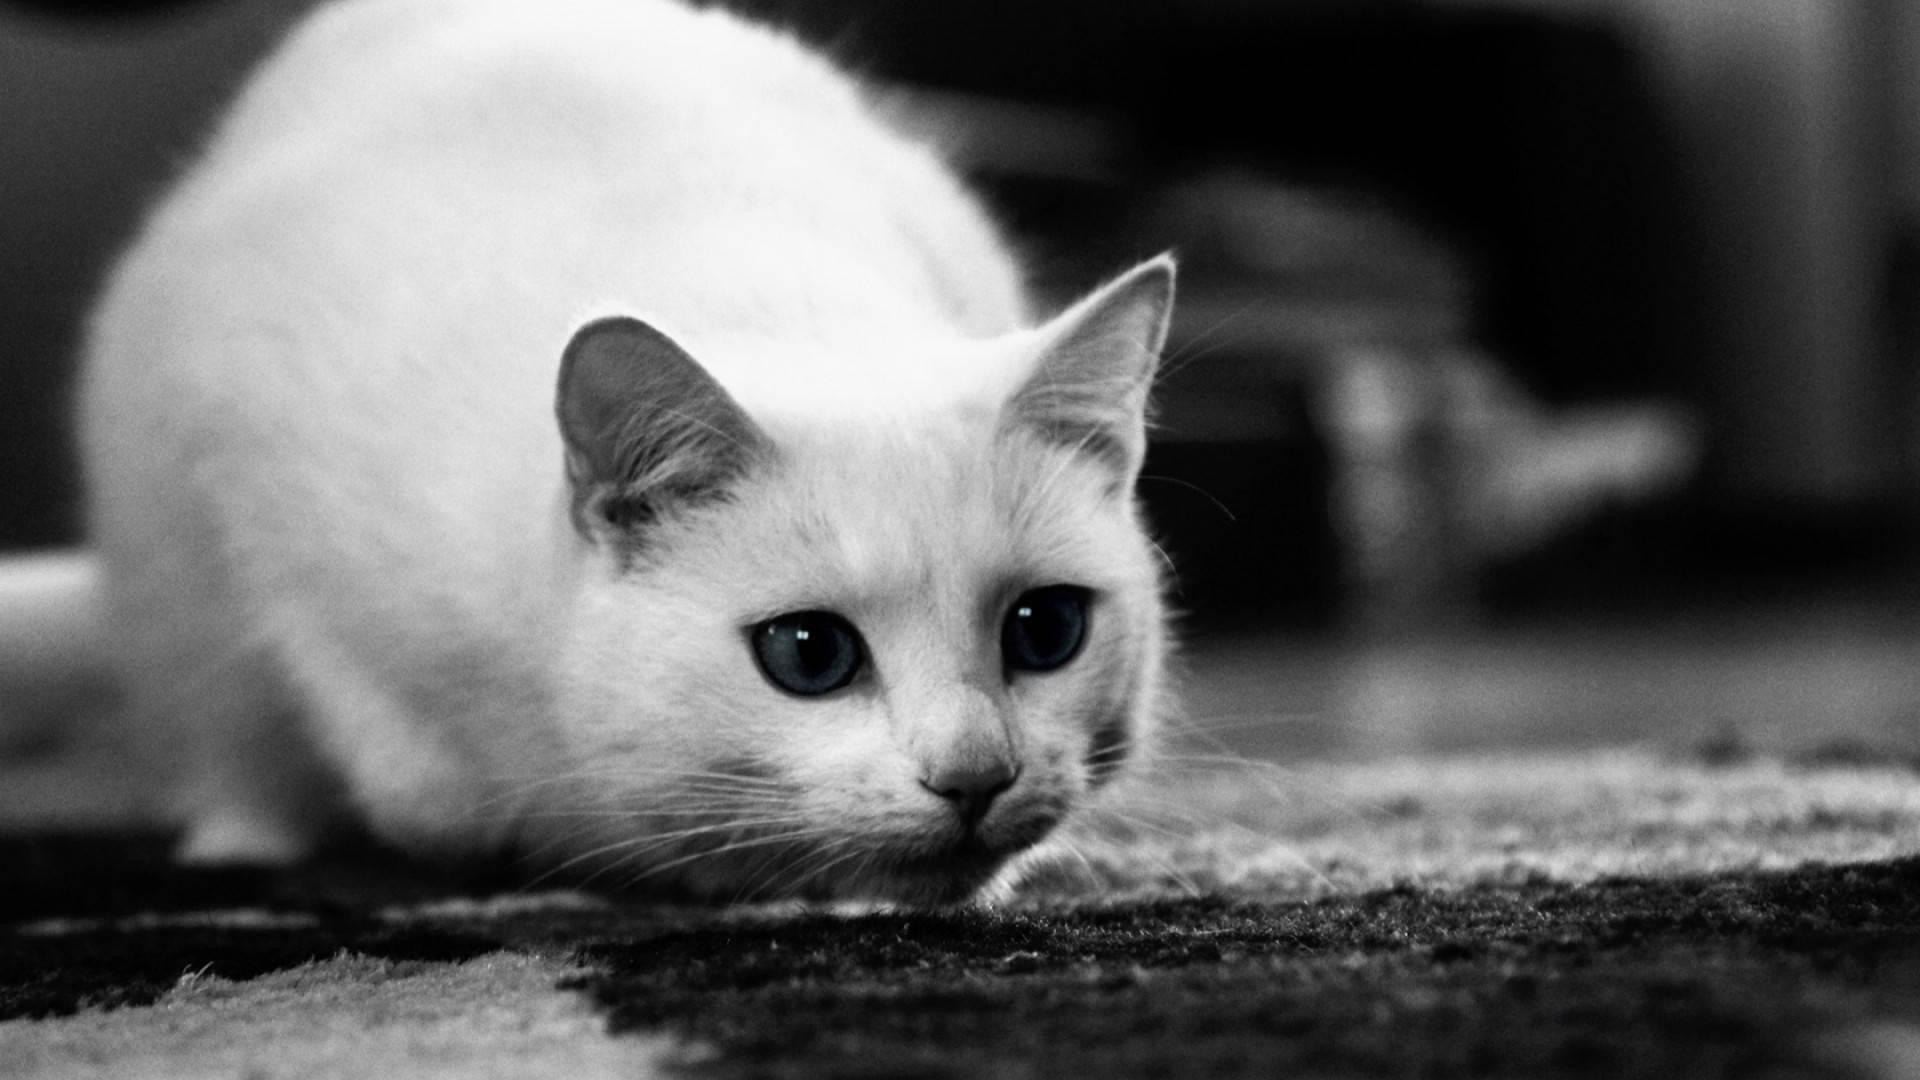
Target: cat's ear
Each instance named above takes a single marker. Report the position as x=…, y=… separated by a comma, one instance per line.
x=645, y=426
x=1088, y=391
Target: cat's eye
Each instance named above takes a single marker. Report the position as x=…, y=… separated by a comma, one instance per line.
x=1044, y=628
x=807, y=652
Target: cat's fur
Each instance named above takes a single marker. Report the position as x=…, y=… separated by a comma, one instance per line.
x=355, y=561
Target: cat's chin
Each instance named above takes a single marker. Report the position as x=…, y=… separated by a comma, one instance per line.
x=911, y=881
x=933, y=881
x=907, y=880
x=942, y=863
x=955, y=873
x=938, y=879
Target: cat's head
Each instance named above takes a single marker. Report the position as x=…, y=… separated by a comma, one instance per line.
x=876, y=651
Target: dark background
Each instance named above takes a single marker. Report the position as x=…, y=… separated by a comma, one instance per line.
x=1630, y=202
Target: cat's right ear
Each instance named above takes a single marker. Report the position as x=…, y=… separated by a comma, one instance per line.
x=645, y=427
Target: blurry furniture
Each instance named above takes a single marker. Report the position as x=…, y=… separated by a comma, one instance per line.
x=1438, y=462
x=1412, y=237
x=1685, y=200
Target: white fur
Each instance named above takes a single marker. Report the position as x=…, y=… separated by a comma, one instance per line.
x=328, y=487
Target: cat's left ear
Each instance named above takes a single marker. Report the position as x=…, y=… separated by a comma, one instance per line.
x=646, y=427
x=1088, y=392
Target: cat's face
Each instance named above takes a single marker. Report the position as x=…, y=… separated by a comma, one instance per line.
x=877, y=658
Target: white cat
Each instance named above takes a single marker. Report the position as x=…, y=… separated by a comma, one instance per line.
x=820, y=574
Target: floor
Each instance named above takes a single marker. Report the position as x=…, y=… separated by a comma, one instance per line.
x=1822, y=675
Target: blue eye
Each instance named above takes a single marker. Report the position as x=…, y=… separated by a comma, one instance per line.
x=1044, y=628
x=807, y=652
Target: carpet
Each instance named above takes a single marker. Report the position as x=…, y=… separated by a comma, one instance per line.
x=1623, y=913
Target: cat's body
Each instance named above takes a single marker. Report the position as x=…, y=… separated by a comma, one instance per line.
x=359, y=558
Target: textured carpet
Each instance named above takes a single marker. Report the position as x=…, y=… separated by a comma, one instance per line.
x=1608, y=914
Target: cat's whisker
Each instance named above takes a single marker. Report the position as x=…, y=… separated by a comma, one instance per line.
x=1298, y=782
x=795, y=871
x=647, y=842
x=1139, y=823
x=1074, y=848
x=1193, y=824
x=1166, y=559
x=864, y=869
x=738, y=790
x=1211, y=824
x=773, y=839
x=535, y=781
x=527, y=806
x=862, y=857
x=725, y=824
x=1197, y=347
x=1174, y=795
x=716, y=812
x=627, y=849
x=1195, y=488
x=537, y=856
x=1216, y=724
x=1170, y=871
x=1226, y=761
x=771, y=869
x=1060, y=850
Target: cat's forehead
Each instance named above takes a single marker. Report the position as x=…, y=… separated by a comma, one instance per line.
x=932, y=511
x=889, y=484
x=922, y=479
x=866, y=383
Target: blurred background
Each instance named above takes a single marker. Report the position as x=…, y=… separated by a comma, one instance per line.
x=1544, y=374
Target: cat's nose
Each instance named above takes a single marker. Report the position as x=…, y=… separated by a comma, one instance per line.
x=972, y=787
